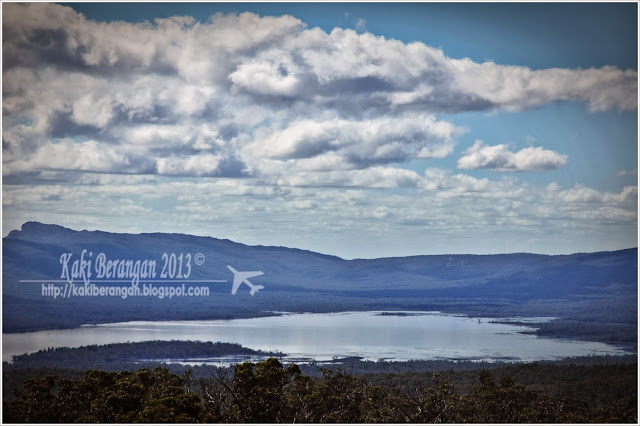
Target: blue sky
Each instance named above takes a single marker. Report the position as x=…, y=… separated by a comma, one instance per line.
x=409, y=129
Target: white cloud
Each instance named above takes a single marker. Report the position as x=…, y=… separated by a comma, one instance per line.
x=359, y=143
x=498, y=157
x=112, y=118
x=456, y=211
x=583, y=194
x=89, y=156
x=375, y=177
x=303, y=204
x=197, y=165
x=440, y=150
x=275, y=74
x=244, y=86
x=361, y=25
x=518, y=88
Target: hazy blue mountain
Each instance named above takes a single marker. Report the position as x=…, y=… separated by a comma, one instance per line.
x=594, y=294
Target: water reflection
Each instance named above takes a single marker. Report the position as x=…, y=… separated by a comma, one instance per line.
x=370, y=335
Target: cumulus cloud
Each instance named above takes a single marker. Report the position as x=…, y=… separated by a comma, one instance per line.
x=88, y=156
x=360, y=143
x=516, y=88
x=115, y=118
x=244, y=95
x=500, y=158
x=198, y=165
x=583, y=194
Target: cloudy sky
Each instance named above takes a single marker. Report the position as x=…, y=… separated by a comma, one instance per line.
x=360, y=130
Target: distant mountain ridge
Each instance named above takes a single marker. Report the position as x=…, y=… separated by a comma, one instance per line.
x=586, y=288
x=35, y=231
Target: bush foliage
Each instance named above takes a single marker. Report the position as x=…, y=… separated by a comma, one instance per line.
x=267, y=392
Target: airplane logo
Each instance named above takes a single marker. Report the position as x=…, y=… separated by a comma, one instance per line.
x=243, y=277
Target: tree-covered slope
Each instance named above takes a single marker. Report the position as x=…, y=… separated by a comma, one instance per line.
x=597, y=289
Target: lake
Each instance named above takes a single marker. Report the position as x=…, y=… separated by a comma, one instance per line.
x=398, y=336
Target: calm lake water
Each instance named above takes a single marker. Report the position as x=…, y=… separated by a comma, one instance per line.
x=423, y=335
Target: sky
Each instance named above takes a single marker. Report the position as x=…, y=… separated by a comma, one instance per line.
x=355, y=129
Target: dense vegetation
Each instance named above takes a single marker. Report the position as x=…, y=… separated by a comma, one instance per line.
x=114, y=356
x=268, y=392
x=71, y=362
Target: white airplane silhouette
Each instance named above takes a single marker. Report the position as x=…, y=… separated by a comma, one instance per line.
x=243, y=277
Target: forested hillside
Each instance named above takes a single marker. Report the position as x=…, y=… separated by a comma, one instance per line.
x=269, y=392
x=593, y=295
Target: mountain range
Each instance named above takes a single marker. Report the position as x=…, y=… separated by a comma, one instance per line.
x=592, y=295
